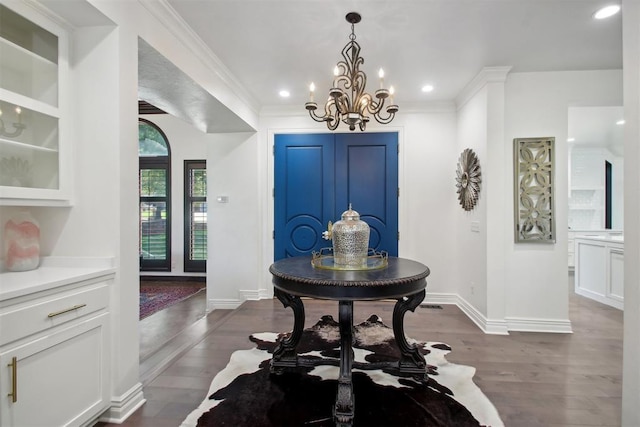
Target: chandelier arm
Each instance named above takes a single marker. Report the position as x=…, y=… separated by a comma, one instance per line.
x=314, y=116
x=372, y=107
x=332, y=114
x=332, y=124
x=385, y=120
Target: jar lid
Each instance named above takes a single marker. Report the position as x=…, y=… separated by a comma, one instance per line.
x=350, y=215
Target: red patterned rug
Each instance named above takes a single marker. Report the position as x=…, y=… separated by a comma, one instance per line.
x=156, y=296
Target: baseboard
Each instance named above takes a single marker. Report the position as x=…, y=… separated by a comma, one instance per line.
x=539, y=325
x=499, y=326
x=123, y=406
x=254, y=294
x=223, y=304
x=494, y=326
x=600, y=298
x=173, y=278
x=440, y=298
x=488, y=326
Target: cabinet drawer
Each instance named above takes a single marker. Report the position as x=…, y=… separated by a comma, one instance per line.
x=40, y=314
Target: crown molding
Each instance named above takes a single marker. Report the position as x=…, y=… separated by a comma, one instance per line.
x=486, y=75
x=173, y=22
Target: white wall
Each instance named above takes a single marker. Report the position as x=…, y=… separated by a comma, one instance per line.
x=471, y=246
x=480, y=232
x=233, y=227
x=537, y=106
x=630, y=359
x=187, y=143
x=106, y=119
x=428, y=196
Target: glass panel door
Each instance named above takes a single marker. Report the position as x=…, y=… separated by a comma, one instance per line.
x=155, y=236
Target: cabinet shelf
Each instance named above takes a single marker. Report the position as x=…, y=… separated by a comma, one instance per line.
x=14, y=98
x=23, y=145
x=27, y=73
x=587, y=188
x=585, y=208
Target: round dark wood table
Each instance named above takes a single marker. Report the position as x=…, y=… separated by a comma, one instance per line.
x=401, y=279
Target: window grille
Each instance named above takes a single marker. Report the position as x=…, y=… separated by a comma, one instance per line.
x=195, y=215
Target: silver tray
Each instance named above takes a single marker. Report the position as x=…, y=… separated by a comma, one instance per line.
x=324, y=259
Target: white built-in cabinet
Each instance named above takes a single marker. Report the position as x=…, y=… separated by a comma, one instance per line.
x=574, y=234
x=34, y=151
x=599, y=269
x=55, y=345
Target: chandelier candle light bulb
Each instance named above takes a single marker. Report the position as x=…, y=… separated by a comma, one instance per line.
x=381, y=75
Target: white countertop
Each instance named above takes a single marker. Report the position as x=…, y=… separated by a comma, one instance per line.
x=597, y=230
x=52, y=272
x=612, y=239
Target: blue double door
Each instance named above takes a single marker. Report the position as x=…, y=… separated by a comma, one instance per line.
x=318, y=175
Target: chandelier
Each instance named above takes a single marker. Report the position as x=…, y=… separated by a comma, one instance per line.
x=347, y=100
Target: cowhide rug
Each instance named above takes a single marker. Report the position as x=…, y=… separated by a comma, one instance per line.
x=245, y=394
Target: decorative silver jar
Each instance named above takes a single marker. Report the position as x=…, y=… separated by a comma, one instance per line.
x=350, y=238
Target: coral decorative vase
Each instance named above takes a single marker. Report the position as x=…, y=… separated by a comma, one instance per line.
x=22, y=242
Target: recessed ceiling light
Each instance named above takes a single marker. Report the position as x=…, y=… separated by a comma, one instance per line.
x=284, y=93
x=620, y=122
x=427, y=88
x=607, y=11
x=570, y=139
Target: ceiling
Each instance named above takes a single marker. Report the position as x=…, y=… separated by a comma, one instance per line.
x=270, y=45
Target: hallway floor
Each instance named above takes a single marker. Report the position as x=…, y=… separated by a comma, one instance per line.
x=533, y=379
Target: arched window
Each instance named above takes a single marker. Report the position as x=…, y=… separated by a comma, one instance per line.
x=155, y=197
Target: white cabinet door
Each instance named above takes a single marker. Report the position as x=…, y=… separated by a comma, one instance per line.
x=60, y=379
x=34, y=142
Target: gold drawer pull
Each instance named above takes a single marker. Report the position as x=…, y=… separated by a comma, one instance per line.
x=14, y=382
x=58, y=313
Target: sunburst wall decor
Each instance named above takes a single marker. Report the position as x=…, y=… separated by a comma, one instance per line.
x=468, y=179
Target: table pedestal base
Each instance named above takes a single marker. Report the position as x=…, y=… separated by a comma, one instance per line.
x=411, y=362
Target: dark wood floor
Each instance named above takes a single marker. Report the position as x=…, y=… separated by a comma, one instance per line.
x=533, y=379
